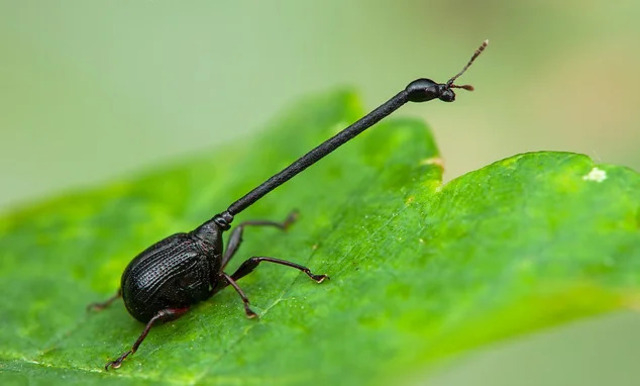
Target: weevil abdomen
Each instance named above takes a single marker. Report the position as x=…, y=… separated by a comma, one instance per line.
x=175, y=273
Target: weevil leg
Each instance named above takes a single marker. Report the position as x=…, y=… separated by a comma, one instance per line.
x=161, y=316
x=99, y=306
x=245, y=299
x=249, y=265
x=236, y=235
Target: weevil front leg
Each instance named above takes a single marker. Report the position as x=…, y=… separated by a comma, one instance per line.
x=161, y=316
x=249, y=265
x=99, y=306
x=236, y=235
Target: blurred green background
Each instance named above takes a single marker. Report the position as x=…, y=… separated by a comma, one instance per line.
x=92, y=90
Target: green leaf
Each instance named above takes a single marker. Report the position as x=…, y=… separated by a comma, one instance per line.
x=419, y=271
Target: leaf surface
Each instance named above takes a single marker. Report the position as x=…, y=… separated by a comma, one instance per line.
x=419, y=271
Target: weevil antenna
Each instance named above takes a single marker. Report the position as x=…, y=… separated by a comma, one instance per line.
x=468, y=87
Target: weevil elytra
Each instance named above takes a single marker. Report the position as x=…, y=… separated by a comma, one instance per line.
x=163, y=281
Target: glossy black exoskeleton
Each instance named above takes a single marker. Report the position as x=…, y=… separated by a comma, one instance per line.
x=166, y=279
x=178, y=271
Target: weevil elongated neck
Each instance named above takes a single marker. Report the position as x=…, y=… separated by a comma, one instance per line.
x=225, y=218
x=420, y=90
x=319, y=152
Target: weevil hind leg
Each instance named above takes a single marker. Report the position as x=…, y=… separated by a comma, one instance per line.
x=99, y=306
x=161, y=316
x=235, y=239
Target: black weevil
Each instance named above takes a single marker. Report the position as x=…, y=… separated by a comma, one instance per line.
x=162, y=282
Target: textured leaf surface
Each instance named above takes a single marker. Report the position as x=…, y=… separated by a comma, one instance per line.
x=418, y=270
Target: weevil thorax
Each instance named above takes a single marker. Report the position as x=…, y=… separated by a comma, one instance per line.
x=210, y=233
x=208, y=236
x=423, y=90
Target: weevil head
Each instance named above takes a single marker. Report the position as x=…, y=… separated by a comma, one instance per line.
x=422, y=90
x=446, y=93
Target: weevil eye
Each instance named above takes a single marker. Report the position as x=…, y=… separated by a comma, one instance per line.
x=447, y=95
